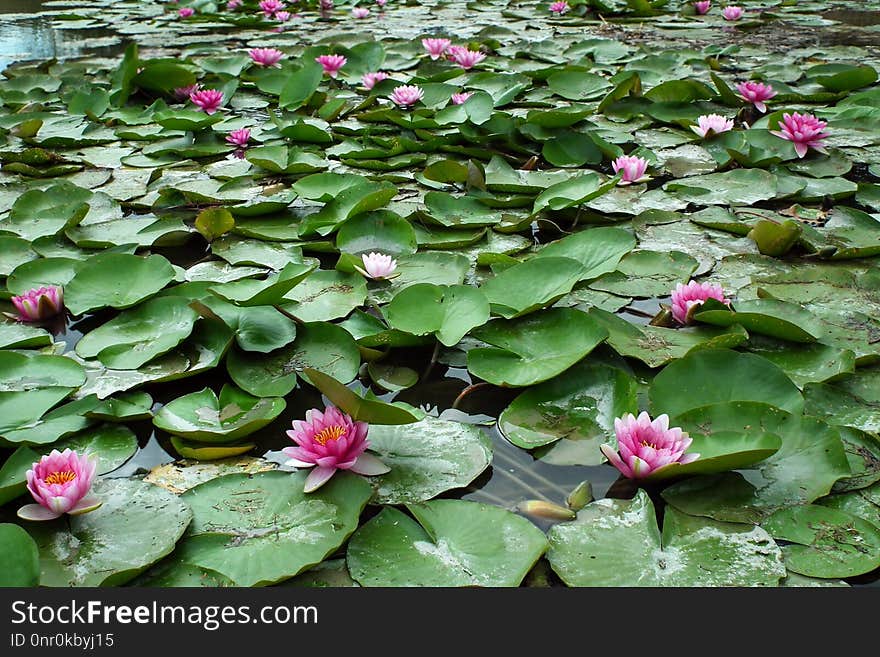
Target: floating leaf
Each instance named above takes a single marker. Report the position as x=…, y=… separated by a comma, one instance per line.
x=203, y=417
x=136, y=525
x=449, y=312
x=577, y=409
x=19, y=557
x=450, y=543
x=824, y=542
x=427, y=458
x=261, y=529
x=618, y=543
x=713, y=376
x=535, y=348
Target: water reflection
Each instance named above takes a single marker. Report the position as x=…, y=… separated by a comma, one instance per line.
x=25, y=35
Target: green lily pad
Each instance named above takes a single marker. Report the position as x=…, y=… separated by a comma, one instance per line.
x=618, y=543
x=647, y=274
x=267, y=292
x=577, y=409
x=38, y=213
x=531, y=285
x=534, y=348
x=203, y=417
x=261, y=529
x=381, y=231
x=18, y=335
x=320, y=345
x=363, y=409
x=325, y=295
x=31, y=385
x=825, y=542
x=449, y=312
x=136, y=525
x=657, y=345
x=722, y=451
x=427, y=458
x=257, y=328
x=19, y=557
x=42, y=272
x=140, y=334
x=735, y=187
x=214, y=222
x=805, y=468
x=771, y=317
x=805, y=363
x=117, y=280
x=450, y=543
x=128, y=406
x=599, y=250
x=714, y=376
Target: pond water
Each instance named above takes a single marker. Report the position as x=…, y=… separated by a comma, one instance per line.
x=445, y=388
x=27, y=34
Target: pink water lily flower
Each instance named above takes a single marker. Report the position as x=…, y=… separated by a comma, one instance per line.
x=702, y=7
x=633, y=168
x=686, y=299
x=436, y=47
x=269, y=7
x=805, y=131
x=328, y=442
x=465, y=58
x=381, y=3
x=232, y=5
x=370, y=79
x=378, y=266
x=39, y=304
x=282, y=17
x=645, y=446
x=208, y=100
x=756, y=93
x=360, y=12
x=560, y=7
x=185, y=12
x=60, y=483
x=712, y=124
x=325, y=5
x=406, y=95
x=458, y=99
x=331, y=63
x=265, y=56
x=239, y=137
x=732, y=13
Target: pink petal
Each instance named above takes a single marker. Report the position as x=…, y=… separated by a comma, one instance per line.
x=86, y=504
x=317, y=478
x=369, y=465
x=36, y=512
x=639, y=468
x=615, y=460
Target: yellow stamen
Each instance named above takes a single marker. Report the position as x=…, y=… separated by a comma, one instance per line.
x=61, y=477
x=330, y=433
x=645, y=443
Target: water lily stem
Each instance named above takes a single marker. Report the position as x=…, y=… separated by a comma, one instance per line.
x=494, y=499
x=464, y=393
x=535, y=475
x=433, y=361
x=522, y=484
x=288, y=315
x=378, y=311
